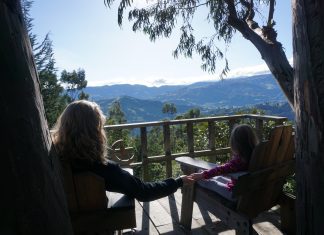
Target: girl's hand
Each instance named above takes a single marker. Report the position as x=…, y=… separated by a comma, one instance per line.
x=196, y=176
x=187, y=180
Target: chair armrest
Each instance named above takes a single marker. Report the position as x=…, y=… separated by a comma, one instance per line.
x=236, y=175
x=191, y=162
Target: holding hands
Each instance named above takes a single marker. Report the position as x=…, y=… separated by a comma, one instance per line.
x=196, y=176
x=190, y=179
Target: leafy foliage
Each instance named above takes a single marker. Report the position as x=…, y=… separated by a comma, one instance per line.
x=116, y=114
x=75, y=82
x=52, y=91
x=169, y=108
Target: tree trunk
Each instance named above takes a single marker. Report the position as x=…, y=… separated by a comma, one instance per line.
x=32, y=195
x=308, y=43
x=270, y=49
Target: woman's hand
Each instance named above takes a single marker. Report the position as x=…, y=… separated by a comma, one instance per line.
x=187, y=180
x=196, y=176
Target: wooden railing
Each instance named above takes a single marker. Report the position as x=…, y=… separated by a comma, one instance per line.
x=168, y=156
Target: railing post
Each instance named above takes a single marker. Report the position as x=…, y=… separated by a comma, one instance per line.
x=167, y=149
x=259, y=128
x=144, y=153
x=279, y=122
x=231, y=124
x=211, y=135
x=191, y=148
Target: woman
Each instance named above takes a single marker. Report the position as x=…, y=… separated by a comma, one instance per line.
x=80, y=140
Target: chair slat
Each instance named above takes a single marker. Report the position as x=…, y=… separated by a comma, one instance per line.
x=90, y=191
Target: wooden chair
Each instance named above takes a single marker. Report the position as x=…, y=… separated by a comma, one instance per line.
x=256, y=191
x=93, y=209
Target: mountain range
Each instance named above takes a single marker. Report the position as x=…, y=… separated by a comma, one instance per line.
x=141, y=103
x=223, y=93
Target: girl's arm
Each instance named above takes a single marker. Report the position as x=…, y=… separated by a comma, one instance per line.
x=235, y=165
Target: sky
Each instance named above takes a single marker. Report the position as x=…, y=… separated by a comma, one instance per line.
x=86, y=35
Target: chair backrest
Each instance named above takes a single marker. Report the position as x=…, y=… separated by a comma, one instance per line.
x=85, y=191
x=271, y=162
x=279, y=148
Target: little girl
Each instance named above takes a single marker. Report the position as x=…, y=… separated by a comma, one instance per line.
x=242, y=142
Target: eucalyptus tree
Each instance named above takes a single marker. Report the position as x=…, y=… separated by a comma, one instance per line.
x=169, y=108
x=302, y=84
x=74, y=82
x=33, y=199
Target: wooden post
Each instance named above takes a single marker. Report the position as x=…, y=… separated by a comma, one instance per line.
x=288, y=213
x=188, y=197
x=231, y=123
x=211, y=139
x=259, y=128
x=144, y=153
x=167, y=149
x=191, y=148
x=187, y=205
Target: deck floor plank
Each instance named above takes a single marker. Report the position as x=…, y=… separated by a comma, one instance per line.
x=163, y=215
x=143, y=222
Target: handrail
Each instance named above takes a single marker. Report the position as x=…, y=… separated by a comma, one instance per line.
x=168, y=156
x=195, y=120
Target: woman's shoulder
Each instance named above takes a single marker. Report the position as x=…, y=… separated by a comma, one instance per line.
x=110, y=165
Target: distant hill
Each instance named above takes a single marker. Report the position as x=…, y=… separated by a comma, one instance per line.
x=141, y=103
x=138, y=110
x=226, y=93
x=136, y=91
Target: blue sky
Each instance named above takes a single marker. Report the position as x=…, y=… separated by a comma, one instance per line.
x=86, y=35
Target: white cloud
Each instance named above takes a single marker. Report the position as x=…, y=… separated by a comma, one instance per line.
x=249, y=71
x=159, y=81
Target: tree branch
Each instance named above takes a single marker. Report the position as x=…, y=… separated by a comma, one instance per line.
x=250, y=12
x=189, y=8
x=271, y=12
x=271, y=51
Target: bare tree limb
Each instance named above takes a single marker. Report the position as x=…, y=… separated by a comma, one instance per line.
x=271, y=12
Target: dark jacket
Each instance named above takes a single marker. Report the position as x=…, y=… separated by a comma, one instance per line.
x=121, y=181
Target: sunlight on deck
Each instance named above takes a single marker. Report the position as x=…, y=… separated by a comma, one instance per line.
x=162, y=217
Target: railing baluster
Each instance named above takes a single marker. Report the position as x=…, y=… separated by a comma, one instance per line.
x=211, y=139
x=231, y=124
x=167, y=149
x=259, y=128
x=211, y=135
x=191, y=147
x=144, y=153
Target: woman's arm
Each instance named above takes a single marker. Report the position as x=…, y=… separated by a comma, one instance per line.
x=119, y=180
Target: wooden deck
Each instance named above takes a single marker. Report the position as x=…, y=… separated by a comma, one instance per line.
x=162, y=217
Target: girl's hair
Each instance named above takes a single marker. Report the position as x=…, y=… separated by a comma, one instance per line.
x=243, y=139
x=79, y=134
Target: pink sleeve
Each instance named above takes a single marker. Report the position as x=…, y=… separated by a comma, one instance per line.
x=234, y=165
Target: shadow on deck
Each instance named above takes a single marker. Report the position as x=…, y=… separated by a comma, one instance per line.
x=162, y=217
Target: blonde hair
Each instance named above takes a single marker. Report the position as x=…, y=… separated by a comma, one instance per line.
x=243, y=139
x=79, y=134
